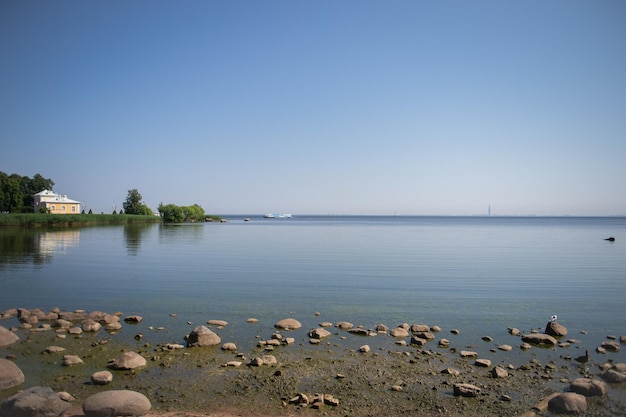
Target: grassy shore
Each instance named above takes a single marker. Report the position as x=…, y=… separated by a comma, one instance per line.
x=71, y=220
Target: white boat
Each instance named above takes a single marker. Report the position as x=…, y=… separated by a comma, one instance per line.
x=277, y=216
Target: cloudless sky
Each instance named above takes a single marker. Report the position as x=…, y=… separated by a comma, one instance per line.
x=317, y=107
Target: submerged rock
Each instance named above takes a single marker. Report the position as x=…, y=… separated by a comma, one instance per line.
x=202, y=336
x=288, y=324
x=128, y=360
x=539, y=339
x=34, y=402
x=568, y=403
x=589, y=387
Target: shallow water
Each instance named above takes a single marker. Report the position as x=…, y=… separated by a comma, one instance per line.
x=478, y=274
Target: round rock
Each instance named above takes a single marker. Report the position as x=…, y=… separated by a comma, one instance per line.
x=128, y=360
x=288, y=324
x=34, y=401
x=589, y=387
x=7, y=337
x=101, y=377
x=124, y=403
x=568, y=403
x=10, y=375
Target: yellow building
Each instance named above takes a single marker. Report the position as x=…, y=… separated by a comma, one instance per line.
x=55, y=203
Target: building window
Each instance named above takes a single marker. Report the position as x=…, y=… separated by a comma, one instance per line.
x=52, y=208
x=62, y=208
x=73, y=209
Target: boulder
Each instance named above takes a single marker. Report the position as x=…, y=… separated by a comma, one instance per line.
x=568, y=403
x=344, y=325
x=69, y=360
x=128, y=360
x=589, y=387
x=485, y=363
x=539, y=339
x=610, y=346
x=220, y=323
x=34, y=402
x=399, y=332
x=555, y=329
x=202, y=336
x=288, y=324
x=499, y=372
x=319, y=333
x=116, y=403
x=101, y=377
x=90, y=325
x=7, y=337
x=466, y=390
x=133, y=319
x=264, y=360
x=616, y=374
x=229, y=346
x=10, y=375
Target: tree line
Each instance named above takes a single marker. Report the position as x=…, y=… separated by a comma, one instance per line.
x=16, y=191
x=16, y=196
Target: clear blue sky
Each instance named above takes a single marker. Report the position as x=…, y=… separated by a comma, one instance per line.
x=317, y=107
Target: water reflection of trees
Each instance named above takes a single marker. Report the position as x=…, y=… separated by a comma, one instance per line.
x=181, y=232
x=133, y=235
x=37, y=247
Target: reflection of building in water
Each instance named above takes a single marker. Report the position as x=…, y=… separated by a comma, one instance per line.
x=55, y=242
x=55, y=203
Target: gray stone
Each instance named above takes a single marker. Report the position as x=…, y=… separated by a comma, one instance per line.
x=10, y=374
x=485, y=363
x=466, y=390
x=101, y=377
x=116, y=403
x=589, y=387
x=610, y=346
x=128, y=360
x=34, y=402
x=69, y=360
x=288, y=324
x=7, y=337
x=90, y=325
x=568, y=403
x=555, y=329
x=264, y=360
x=399, y=332
x=319, y=333
x=614, y=375
x=499, y=372
x=229, y=346
x=539, y=339
x=203, y=336
x=344, y=325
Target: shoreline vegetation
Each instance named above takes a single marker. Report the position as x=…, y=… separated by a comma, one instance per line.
x=28, y=220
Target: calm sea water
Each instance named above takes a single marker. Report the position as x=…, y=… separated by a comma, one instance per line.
x=478, y=274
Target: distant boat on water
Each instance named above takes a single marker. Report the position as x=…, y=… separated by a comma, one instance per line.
x=277, y=216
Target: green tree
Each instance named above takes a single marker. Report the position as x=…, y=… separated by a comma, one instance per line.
x=134, y=204
x=16, y=191
x=171, y=213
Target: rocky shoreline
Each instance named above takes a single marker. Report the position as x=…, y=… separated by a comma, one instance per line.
x=407, y=369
